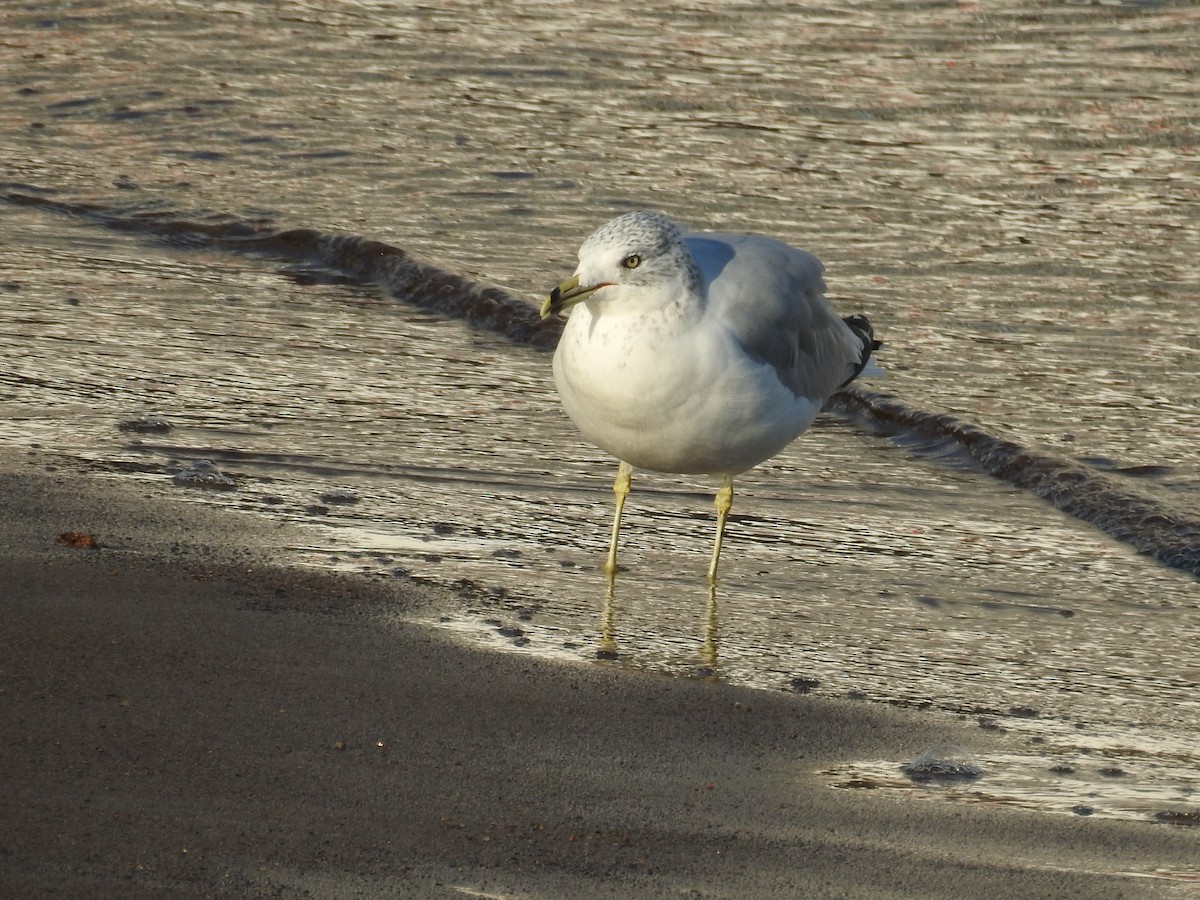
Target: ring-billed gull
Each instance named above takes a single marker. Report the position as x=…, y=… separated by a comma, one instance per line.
x=697, y=353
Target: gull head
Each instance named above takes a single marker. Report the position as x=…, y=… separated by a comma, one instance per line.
x=637, y=256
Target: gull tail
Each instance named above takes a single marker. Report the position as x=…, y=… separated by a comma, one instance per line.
x=866, y=367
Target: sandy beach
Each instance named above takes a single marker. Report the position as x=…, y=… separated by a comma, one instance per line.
x=186, y=718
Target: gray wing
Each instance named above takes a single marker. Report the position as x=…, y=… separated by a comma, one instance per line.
x=772, y=299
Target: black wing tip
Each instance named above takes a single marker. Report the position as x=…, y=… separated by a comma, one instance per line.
x=861, y=326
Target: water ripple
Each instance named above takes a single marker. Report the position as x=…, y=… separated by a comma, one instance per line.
x=1149, y=524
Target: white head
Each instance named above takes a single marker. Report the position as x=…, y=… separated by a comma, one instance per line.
x=637, y=256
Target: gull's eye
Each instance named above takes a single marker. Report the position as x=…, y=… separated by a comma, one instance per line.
x=632, y=261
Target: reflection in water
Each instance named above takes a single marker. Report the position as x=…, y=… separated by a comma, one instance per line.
x=712, y=632
x=608, y=646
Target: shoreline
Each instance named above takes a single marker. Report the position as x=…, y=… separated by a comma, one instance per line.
x=189, y=716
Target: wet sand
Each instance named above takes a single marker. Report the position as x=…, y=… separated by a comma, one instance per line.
x=185, y=714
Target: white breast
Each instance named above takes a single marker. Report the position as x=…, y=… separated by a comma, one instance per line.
x=648, y=393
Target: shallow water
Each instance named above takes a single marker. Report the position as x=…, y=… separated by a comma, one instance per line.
x=1009, y=192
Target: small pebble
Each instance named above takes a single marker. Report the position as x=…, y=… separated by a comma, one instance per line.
x=145, y=425
x=203, y=473
x=339, y=497
x=1179, y=816
x=943, y=762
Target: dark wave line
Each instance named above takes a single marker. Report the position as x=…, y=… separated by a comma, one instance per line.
x=1169, y=535
x=1147, y=524
x=362, y=260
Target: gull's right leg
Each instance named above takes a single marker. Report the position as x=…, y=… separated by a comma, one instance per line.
x=621, y=491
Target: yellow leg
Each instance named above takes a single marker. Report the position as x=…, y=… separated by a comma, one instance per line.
x=621, y=491
x=724, y=500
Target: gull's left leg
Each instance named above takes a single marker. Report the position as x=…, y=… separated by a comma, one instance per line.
x=724, y=500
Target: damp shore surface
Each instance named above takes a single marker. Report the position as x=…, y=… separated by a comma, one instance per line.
x=187, y=718
x=285, y=261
